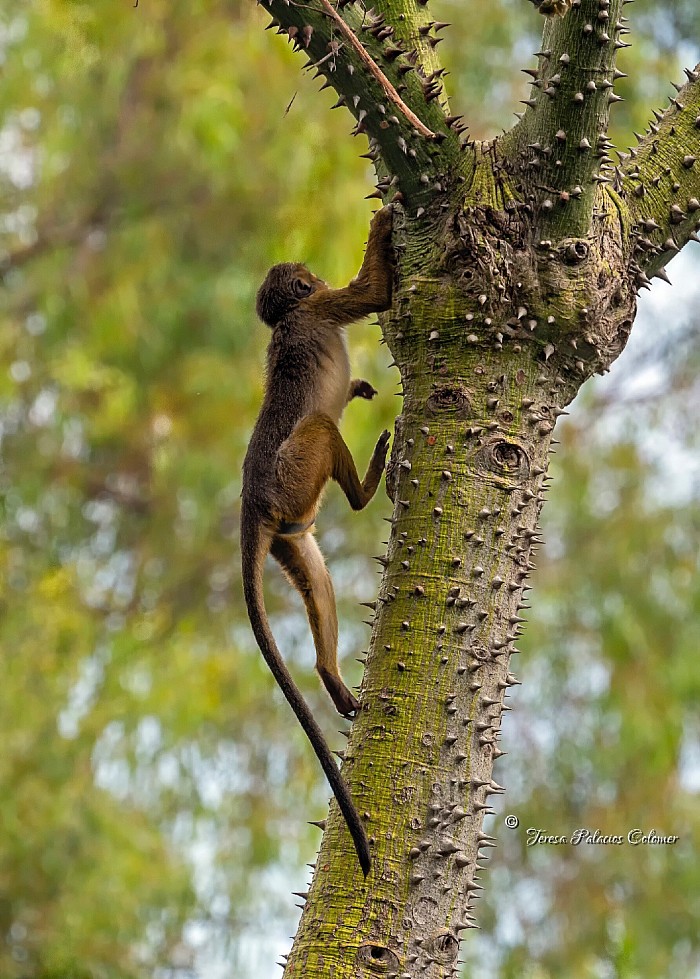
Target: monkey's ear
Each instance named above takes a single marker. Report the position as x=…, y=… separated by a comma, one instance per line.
x=301, y=289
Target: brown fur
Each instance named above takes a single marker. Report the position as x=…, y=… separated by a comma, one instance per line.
x=550, y=8
x=295, y=449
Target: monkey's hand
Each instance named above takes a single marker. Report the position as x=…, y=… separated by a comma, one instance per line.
x=379, y=248
x=370, y=290
x=380, y=230
x=361, y=389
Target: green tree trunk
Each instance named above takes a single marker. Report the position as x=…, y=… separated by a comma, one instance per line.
x=519, y=263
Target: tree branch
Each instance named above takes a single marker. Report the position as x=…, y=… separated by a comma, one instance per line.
x=660, y=182
x=375, y=70
x=380, y=71
x=561, y=143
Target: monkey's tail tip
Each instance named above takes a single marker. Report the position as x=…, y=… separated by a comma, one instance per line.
x=365, y=861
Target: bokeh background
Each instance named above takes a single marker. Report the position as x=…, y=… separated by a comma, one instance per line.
x=154, y=787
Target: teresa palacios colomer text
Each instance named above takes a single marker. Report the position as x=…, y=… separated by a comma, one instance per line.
x=635, y=837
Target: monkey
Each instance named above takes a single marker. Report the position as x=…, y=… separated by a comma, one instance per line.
x=551, y=8
x=294, y=450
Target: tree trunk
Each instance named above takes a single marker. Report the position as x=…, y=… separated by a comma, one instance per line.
x=519, y=262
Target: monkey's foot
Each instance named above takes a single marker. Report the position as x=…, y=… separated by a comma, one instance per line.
x=382, y=446
x=345, y=703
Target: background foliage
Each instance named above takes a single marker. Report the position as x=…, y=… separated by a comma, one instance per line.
x=153, y=786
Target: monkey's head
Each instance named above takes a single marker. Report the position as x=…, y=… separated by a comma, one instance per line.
x=285, y=286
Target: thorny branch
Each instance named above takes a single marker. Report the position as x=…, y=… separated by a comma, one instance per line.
x=561, y=144
x=386, y=72
x=659, y=181
x=376, y=71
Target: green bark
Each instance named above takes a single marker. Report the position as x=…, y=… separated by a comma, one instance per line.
x=519, y=262
x=660, y=181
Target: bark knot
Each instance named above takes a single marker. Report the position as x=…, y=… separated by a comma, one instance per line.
x=378, y=958
x=442, y=947
x=449, y=398
x=504, y=458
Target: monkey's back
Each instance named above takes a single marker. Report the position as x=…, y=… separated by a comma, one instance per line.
x=308, y=370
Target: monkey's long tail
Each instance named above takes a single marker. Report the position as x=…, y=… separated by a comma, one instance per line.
x=253, y=552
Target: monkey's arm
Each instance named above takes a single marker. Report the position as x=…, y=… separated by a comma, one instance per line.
x=370, y=290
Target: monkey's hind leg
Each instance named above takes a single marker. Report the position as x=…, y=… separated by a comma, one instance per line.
x=345, y=473
x=315, y=452
x=303, y=563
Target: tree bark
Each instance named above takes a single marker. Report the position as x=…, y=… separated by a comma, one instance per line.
x=519, y=264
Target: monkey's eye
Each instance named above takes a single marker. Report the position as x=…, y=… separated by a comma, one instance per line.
x=301, y=289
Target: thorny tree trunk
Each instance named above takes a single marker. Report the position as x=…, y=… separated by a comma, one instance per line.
x=519, y=264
